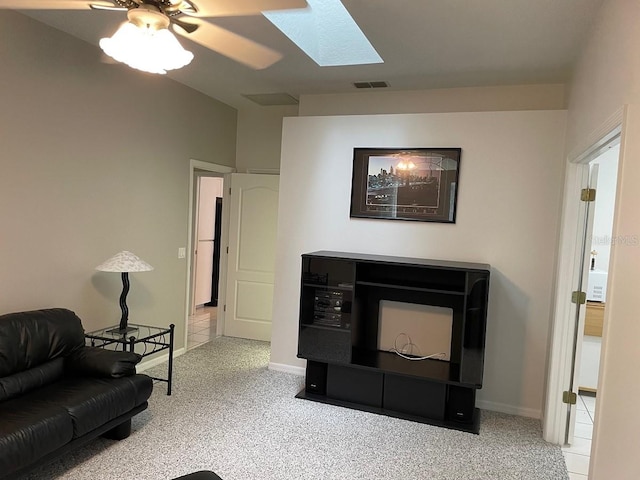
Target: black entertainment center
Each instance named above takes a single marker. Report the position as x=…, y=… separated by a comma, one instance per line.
x=340, y=302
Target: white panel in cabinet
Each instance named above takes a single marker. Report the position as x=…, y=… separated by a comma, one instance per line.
x=590, y=363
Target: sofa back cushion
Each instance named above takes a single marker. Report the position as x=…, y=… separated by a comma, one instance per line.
x=29, y=339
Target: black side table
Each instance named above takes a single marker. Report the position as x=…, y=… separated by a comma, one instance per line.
x=151, y=339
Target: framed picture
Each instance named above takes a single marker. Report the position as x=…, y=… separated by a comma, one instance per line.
x=418, y=184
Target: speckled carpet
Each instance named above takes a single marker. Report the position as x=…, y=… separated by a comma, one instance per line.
x=229, y=414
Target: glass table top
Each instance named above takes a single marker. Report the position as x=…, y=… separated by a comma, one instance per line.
x=138, y=332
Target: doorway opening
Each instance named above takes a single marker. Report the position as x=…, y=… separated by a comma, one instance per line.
x=206, y=263
x=563, y=400
x=598, y=242
x=206, y=271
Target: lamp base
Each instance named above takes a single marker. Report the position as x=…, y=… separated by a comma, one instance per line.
x=122, y=331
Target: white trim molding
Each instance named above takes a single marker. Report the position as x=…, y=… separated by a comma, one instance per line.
x=281, y=367
x=210, y=167
x=509, y=409
x=599, y=138
x=558, y=369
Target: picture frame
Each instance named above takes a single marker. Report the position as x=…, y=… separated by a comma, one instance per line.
x=415, y=184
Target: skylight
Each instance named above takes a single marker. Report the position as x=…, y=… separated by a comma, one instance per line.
x=326, y=32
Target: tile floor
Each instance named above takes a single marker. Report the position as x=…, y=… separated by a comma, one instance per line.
x=202, y=326
x=576, y=455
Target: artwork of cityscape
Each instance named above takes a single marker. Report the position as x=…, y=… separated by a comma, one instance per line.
x=407, y=184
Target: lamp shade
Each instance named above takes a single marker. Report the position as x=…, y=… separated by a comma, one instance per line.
x=124, y=262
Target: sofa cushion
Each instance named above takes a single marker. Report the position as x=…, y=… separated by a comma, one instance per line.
x=29, y=431
x=36, y=377
x=29, y=339
x=92, y=402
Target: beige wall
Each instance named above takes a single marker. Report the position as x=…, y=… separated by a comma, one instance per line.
x=474, y=99
x=94, y=160
x=605, y=80
x=606, y=77
x=260, y=127
x=508, y=208
x=259, y=137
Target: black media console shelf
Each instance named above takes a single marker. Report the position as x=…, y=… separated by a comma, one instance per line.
x=338, y=336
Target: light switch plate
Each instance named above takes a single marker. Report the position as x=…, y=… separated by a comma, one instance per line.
x=182, y=252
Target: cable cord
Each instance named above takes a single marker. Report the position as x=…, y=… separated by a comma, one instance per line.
x=402, y=352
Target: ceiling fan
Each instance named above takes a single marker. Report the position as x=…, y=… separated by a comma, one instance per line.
x=187, y=18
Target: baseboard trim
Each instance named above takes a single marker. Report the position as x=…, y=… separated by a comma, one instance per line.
x=281, y=367
x=152, y=362
x=509, y=409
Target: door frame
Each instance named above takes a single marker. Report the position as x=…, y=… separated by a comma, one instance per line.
x=198, y=168
x=562, y=327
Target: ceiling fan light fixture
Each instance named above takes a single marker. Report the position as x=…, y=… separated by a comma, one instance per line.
x=145, y=43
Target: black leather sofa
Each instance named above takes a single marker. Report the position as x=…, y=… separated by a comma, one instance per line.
x=56, y=394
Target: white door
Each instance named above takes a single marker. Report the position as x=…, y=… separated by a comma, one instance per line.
x=251, y=260
x=578, y=308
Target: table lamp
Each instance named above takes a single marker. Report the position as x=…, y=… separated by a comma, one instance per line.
x=124, y=262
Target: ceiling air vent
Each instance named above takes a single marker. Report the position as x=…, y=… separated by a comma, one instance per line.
x=270, y=99
x=378, y=84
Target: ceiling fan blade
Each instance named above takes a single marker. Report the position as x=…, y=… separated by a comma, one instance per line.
x=187, y=27
x=229, y=8
x=110, y=8
x=48, y=4
x=232, y=45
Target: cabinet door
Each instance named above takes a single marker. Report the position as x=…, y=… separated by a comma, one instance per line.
x=324, y=344
x=474, y=330
x=355, y=385
x=415, y=396
x=328, y=271
x=325, y=309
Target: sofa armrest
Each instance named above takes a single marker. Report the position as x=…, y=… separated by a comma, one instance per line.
x=98, y=362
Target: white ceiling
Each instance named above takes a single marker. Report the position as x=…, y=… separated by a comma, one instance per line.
x=424, y=44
